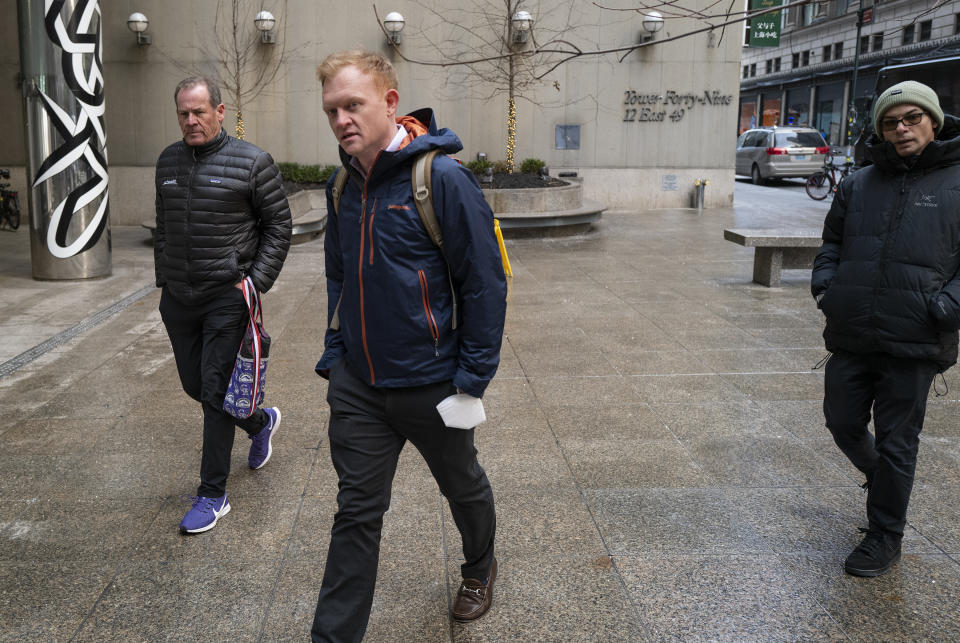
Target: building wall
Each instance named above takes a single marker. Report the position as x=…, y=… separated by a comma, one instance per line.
x=839, y=25
x=694, y=80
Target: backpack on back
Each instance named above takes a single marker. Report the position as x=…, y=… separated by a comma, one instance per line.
x=422, y=185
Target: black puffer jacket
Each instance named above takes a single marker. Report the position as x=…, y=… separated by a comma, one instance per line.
x=221, y=215
x=891, y=253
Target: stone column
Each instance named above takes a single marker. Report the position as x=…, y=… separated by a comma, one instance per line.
x=61, y=62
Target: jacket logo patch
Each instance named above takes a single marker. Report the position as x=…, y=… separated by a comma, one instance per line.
x=216, y=181
x=169, y=182
x=399, y=207
x=926, y=201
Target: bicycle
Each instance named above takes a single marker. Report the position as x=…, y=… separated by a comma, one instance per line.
x=9, y=204
x=824, y=182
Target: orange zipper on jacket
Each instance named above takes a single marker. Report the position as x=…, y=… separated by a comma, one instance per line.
x=363, y=316
x=373, y=213
x=431, y=322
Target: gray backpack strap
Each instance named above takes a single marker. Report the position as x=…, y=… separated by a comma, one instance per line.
x=422, y=183
x=339, y=183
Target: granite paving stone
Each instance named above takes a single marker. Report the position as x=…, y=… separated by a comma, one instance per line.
x=802, y=418
x=72, y=530
x=762, y=461
x=715, y=419
x=660, y=521
x=935, y=513
x=48, y=600
x=623, y=423
x=658, y=389
x=542, y=599
x=536, y=523
x=195, y=600
x=731, y=598
x=804, y=519
x=599, y=463
x=915, y=601
x=778, y=386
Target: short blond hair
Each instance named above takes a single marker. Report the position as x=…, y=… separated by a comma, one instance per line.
x=368, y=62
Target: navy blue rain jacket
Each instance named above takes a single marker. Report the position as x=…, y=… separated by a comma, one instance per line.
x=396, y=307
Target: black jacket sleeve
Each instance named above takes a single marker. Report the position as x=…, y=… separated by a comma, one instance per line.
x=827, y=259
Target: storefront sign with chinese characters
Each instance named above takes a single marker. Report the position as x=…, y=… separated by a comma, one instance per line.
x=765, y=29
x=641, y=107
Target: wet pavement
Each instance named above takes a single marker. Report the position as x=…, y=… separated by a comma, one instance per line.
x=654, y=440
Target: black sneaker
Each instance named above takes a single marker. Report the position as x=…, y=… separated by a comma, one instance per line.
x=874, y=556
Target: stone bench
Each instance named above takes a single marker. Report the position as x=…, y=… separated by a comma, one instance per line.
x=776, y=249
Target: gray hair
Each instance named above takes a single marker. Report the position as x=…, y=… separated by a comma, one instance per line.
x=212, y=89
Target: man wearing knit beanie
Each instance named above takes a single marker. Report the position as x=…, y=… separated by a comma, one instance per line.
x=907, y=99
x=886, y=278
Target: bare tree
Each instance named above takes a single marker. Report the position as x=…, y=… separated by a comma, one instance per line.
x=238, y=61
x=498, y=59
x=245, y=67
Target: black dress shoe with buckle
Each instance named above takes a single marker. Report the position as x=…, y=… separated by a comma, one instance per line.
x=474, y=597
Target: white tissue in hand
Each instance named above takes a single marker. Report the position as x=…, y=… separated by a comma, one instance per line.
x=461, y=411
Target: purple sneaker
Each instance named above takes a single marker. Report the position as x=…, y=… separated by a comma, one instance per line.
x=204, y=513
x=261, y=449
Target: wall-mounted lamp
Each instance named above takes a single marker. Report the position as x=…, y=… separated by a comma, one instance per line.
x=652, y=23
x=520, y=24
x=393, y=23
x=138, y=23
x=264, y=23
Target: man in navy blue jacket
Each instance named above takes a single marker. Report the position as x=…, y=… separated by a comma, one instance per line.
x=414, y=326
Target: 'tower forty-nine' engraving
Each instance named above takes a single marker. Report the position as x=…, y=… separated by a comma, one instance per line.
x=81, y=43
x=642, y=107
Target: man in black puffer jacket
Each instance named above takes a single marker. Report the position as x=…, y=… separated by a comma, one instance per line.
x=886, y=279
x=221, y=216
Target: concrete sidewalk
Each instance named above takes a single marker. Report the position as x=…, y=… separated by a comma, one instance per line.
x=655, y=443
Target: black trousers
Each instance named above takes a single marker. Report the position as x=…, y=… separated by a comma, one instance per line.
x=368, y=429
x=896, y=389
x=205, y=340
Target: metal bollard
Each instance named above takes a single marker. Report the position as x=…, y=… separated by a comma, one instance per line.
x=699, y=187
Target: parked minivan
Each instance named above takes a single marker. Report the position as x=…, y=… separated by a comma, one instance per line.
x=780, y=152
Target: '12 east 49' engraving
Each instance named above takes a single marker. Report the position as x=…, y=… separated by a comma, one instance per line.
x=646, y=104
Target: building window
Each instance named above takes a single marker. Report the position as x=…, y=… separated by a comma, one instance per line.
x=746, y=73
x=776, y=65
x=838, y=51
x=814, y=10
x=826, y=53
x=769, y=65
x=864, y=44
x=805, y=58
x=956, y=23
x=796, y=60
x=926, y=27
x=568, y=137
x=908, y=35
x=878, y=41
x=753, y=70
